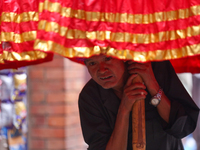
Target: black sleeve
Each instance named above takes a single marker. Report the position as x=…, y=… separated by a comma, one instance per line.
x=95, y=128
x=184, y=112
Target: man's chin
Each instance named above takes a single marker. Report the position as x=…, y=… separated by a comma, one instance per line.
x=107, y=86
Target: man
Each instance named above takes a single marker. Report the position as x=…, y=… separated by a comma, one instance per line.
x=106, y=101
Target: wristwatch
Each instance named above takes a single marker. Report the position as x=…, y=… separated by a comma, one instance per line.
x=155, y=100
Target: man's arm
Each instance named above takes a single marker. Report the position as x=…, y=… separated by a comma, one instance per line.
x=164, y=106
x=147, y=74
x=176, y=106
x=119, y=137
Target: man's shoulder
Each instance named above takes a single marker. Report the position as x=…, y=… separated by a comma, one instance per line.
x=90, y=85
x=91, y=95
x=162, y=67
x=161, y=63
x=90, y=88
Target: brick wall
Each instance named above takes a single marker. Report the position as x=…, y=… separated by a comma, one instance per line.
x=53, y=109
x=75, y=75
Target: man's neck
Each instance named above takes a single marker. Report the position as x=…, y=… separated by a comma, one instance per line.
x=119, y=94
x=119, y=91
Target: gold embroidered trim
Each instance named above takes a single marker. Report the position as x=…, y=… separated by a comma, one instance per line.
x=18, y=38
x=119, y=36
x=120, y=17
x=18, y=18
x=50, y=46
x=24, y=56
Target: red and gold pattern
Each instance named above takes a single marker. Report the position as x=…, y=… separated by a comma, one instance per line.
x=139, y=30
x=18, y=31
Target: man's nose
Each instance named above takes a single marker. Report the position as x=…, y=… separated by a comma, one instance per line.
x=102, y=68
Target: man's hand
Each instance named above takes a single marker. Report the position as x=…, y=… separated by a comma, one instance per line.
x=132, y=92
x=146, y=72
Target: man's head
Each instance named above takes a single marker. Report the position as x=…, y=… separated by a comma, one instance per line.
x=107, y=71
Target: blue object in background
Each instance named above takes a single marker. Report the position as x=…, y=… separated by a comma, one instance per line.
x=189, y=143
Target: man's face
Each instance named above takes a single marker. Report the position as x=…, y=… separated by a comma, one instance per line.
x=108, y=72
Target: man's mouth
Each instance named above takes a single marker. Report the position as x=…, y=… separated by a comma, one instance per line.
x=104, y=78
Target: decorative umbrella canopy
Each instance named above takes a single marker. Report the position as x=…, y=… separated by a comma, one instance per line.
x=18, y=29
x=139, y=30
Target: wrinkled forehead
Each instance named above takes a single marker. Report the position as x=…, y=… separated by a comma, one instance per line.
x=82, y=60
x=96, y=57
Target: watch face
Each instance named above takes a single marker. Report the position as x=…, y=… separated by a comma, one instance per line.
x=154, y=101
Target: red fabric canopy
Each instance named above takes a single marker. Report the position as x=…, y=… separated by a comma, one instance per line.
x=139, y=30
x=188, y=64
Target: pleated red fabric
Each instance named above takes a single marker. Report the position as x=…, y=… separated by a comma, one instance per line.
x=18, y=30
x=139, y=30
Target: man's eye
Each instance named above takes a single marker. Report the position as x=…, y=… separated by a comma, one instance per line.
x=91, y=63
x=108, y=58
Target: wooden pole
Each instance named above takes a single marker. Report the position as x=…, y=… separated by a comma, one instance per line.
x=138, y=122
